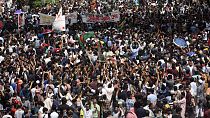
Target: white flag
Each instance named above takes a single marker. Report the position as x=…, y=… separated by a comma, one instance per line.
x=46, y=19
x=59, y=23
x=60, y=13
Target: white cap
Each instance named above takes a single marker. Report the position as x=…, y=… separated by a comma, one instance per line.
x=37, y=81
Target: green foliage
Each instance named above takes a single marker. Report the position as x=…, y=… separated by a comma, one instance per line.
x=38, y=3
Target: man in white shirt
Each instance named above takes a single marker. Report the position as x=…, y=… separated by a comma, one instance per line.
x=19, y=113
x=191, y=67
x=48, y=103
x=193, y=88
x=109, y=90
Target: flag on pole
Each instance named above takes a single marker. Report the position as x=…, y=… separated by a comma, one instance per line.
x=84, y=36
x=59, y=23
x=60, y=13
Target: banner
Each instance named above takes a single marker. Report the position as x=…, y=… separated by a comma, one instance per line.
x=108, y=17
x=46, y=19
x=59, y=23
x=71, y=18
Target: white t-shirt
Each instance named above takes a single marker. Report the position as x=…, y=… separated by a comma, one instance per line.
x=54, y=115
x=109, y=91
x=48, y=103
x=193, y=88
x=33, y=91
x=89, y=114
x=19, y=113
x=191, y=69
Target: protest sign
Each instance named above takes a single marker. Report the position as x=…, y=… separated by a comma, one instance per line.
x=46, y=19
x=71, y=18
x=108, y=17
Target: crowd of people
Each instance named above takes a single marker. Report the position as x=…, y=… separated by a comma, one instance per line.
x=126, y=69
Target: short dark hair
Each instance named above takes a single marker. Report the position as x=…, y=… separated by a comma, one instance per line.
x=54, y=108
x=63, y=100
x=45, y=110
x=41, y=103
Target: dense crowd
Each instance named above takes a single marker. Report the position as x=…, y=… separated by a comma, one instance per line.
x=126, y=69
